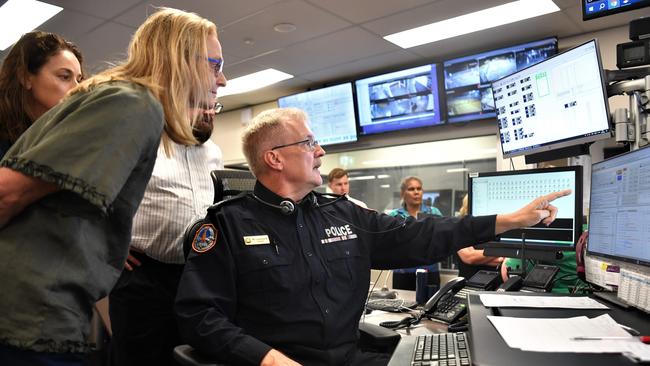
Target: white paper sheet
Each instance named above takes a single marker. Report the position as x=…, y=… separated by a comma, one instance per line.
x=560, y=302
x=556, y=335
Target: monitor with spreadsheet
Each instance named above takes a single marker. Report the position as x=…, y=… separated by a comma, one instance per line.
x=506, y=192
x=556, y=104
x=619, y=213
x=330, y=111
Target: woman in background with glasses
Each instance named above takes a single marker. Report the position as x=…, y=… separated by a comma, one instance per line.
x=39, y=70
x=71, y=184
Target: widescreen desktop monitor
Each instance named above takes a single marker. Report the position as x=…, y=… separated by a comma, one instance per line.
x=399, y=100
x=599, y=8
x=330, y=111
x=506, y=192
x=619, y=212
x=557, y=103
x=467, y=79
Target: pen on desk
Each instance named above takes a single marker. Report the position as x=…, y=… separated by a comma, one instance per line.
x=644, y=339
x=277, y=250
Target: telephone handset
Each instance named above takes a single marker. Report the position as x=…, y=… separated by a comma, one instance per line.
x=444, y=305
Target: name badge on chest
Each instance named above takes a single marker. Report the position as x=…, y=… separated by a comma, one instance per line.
x=257, y=240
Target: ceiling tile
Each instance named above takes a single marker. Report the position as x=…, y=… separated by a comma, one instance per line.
x=106, y=44
x=423, y=15
x=316, y=54
x=365, y=66
x=71, y=25
x=506, y=35
x=360, y=11
x=222, y=12
x=310, y=22
x=99, y=9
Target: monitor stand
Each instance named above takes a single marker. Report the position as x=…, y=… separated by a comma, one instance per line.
x=611, y=297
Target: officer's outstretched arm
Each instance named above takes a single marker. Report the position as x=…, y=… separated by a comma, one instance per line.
x=540, y=210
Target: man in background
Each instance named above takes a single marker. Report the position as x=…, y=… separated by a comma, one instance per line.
x=339, y=183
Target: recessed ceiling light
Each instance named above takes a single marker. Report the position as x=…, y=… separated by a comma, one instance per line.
x=284, y=27
x=250, y=82
x=472, y=22
x=457, y=170
x=362, y=177
x=21, y=16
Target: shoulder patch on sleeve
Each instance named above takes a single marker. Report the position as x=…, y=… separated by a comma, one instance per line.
x=205, y=238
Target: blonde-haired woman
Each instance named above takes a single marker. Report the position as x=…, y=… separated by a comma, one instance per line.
x=69, y=187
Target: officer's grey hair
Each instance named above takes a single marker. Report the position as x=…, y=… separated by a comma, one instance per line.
x=265, y=131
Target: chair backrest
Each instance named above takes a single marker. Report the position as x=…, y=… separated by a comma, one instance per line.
x=229, y=183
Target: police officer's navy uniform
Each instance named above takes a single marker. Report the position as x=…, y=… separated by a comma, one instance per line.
x=297, y=282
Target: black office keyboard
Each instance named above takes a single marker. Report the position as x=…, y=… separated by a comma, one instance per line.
x=392, y=305
x=444, y=349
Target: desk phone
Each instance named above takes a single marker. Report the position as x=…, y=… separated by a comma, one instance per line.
x=450, y=303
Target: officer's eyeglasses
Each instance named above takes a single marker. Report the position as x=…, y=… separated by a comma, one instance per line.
x=310, y=143
x=216, y=64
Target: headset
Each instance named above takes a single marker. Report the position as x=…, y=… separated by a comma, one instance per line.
x=286, y=207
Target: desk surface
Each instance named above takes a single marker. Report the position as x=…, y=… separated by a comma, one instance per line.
x=488, y=348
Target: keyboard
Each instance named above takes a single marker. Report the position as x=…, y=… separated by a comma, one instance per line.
x=392, y=305
x=443, y=349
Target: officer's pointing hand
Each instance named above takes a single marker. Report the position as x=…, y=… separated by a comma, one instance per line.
x=539, y=210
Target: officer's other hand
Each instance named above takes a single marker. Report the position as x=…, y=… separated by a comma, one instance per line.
x=276, y=358
x=131, y=262
x=539, y=210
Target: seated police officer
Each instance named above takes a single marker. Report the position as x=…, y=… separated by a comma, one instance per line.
x=279, y=277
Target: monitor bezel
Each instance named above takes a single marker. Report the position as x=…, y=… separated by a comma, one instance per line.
x=572, y=141
x=532, y=246
x=610, y=256
x=354, y=109
x=441, y=103
x=484, y=116
x=620, y=9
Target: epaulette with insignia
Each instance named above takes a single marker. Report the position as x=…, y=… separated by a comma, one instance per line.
x=217, y=206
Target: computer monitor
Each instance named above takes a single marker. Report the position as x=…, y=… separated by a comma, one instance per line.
x=399, y=100
x=506, y=192
x=330, y=111
x=468, y=78
x=619, y=213
x=558, y=103
x=599, y=8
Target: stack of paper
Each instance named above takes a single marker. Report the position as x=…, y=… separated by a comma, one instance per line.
x=558, y=335
x=560, y=302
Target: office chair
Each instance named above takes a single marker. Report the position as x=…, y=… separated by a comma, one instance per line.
x=229, y=183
